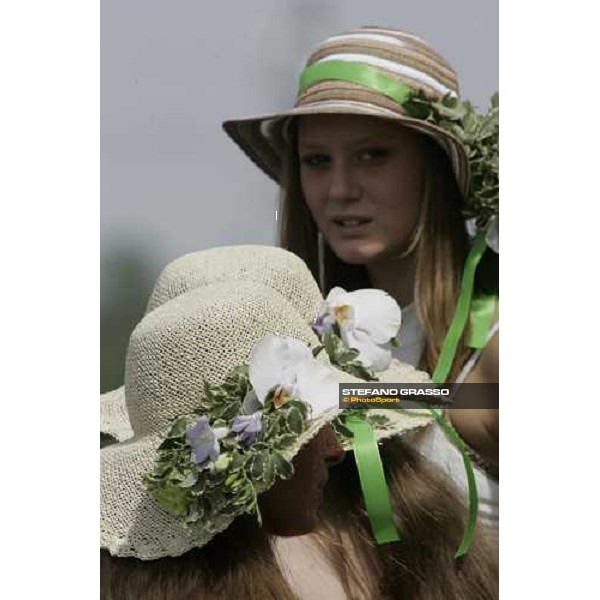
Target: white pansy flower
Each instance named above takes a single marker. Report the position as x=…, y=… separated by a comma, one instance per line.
x=288, y=366
x=368, y=319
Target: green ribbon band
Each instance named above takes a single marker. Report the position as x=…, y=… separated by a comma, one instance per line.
x=354, y=72
x=450, y=432
x=459, y=321
x=483, y=308
x=372, y=480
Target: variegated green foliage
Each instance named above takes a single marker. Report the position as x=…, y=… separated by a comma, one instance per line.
x=345, y=435
x=342, y=356
x=227, y=487
x=479, y=133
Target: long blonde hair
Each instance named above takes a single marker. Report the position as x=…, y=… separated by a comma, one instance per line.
x=441, y=247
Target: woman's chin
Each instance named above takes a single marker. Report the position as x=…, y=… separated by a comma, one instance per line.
x=357, y=254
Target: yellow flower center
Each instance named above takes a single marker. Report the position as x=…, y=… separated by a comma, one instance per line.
x=342, y=313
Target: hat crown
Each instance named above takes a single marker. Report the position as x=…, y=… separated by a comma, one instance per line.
x=199, y=336
x=273, y=267
x=400, y=55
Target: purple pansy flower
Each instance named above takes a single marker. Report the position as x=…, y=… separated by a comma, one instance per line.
x=324, y=322
x=204, y=441
x=247, y=427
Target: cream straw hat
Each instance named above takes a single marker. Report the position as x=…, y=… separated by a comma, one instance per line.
x=276, y=268
x=365, y=71
x=199, y=337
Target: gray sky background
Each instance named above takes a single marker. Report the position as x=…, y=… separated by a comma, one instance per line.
x=171, y=72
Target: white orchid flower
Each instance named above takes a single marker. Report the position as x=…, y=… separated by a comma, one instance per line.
x=368, y=319
x=288, y=366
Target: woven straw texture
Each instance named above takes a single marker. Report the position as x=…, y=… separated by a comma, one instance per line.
x=274, y=267
x=399, y=55
x=200, y=335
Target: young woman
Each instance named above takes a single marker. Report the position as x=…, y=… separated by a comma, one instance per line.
x=379, y=165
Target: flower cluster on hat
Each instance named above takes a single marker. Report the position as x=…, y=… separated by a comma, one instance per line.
x=478, y=132
x=213, y=461
x=367, y=320
x=286, y=367
x=204, y=441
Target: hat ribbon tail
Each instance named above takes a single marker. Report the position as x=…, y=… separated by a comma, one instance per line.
x=461, y=315
x=372, y=480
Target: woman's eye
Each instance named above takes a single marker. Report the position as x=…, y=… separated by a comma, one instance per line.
x=373, y=154
x=315, y=160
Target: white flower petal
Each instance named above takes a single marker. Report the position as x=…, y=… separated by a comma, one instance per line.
x=336, y=296
x=371, y=355
x=317, y=384
x=492, y=236
x=271, y=363
x=471, y=227
x=376, y=313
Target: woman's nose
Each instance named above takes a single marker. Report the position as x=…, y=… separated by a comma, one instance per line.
x=343, y=185
x=333, y=451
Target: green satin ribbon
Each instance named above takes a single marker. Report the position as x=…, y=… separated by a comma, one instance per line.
x=459, y=321
x=354, y=72
x=374, y=485
x=483, y=308
x=453, y=436
x=372, y=480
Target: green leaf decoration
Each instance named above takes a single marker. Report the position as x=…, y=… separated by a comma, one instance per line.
x=173, y=498
x=284, y=441
x=225, y=488
x=479, y=134
x=345, y=358
x=268, y=476
x=295, y=422
x=179, y=427
x=379, y=421
x=283, y=467
x=257, y=466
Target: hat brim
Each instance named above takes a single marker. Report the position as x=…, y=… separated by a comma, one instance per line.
x=134, y=524
x=267, y=150
x=114, y=420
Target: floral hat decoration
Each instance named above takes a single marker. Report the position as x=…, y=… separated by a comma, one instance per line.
x=222, y=390
x=395, y=75
x=276, y=268
x=226, y=381
x=273, y=267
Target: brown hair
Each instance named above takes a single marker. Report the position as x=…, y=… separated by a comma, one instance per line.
x=430, y=519
x=239, y=562
x=441, y=249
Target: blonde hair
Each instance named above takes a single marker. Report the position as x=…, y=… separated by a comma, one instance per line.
x=440, y=244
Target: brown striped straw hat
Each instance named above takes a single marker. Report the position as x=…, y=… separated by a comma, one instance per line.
x=366, y=71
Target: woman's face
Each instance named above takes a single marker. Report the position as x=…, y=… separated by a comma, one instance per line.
x=362, y=178
x=290, y=506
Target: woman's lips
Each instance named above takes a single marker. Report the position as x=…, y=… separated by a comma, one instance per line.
x=350, y=224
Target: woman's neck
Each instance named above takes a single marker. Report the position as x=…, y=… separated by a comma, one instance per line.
x=396, y=276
